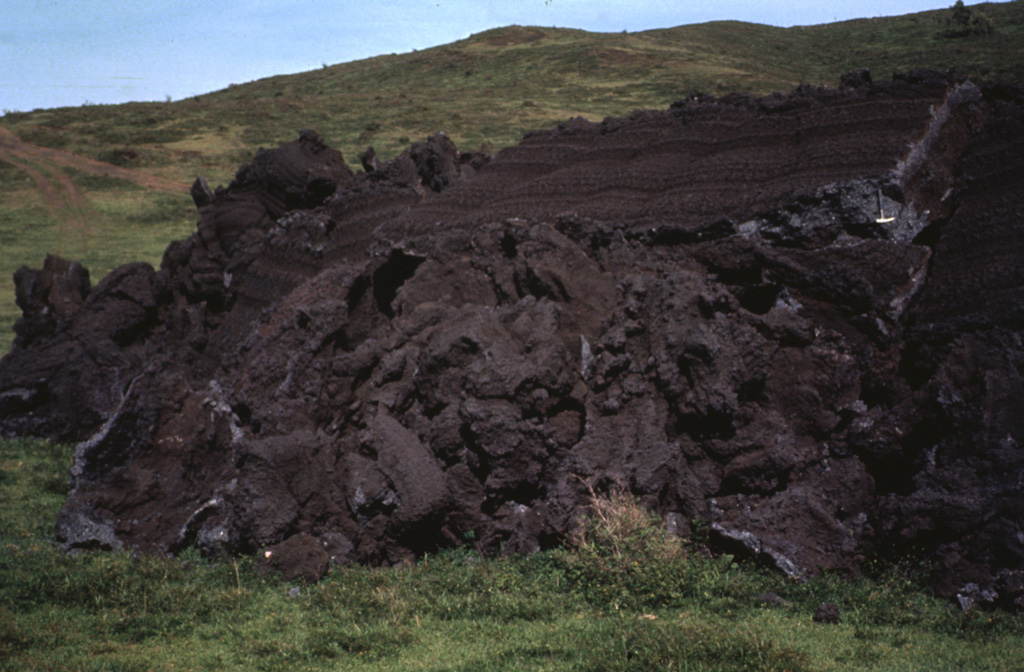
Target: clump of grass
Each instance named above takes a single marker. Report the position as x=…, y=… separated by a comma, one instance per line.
x=621, y=555
x=617, y=548
x=618, y=532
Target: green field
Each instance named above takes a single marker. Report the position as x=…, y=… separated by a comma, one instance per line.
x=485, y=91
x=622, y=597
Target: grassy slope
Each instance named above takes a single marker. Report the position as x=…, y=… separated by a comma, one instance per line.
x=485, y=92
x=655, y=606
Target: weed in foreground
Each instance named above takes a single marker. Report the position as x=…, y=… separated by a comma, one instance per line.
x=621, y=555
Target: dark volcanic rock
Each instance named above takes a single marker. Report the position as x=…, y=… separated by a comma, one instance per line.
x=47, y=297
x=827, y=613
x=797, y=318
x=300, y=556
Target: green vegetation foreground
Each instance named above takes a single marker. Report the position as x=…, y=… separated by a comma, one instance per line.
x=620, y=596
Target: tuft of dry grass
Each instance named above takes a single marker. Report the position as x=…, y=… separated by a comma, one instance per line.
x=619, y=532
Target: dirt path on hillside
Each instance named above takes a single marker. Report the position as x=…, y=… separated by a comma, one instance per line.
x=64, y=200
x=12, y=145
x=59, y=193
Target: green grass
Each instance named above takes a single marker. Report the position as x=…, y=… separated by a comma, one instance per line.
x=485, y=91
x=595, y=605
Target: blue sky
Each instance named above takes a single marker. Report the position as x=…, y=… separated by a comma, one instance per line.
x=69, y=52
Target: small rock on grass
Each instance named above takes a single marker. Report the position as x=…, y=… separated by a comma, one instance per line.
x=827, y=612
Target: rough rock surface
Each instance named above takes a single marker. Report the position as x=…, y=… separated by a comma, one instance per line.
x=796, y=318
x=47, y=297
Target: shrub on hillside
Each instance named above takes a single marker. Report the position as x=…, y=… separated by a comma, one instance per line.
x=961, y=21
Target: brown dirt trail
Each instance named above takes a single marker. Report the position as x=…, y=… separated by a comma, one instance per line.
x=59, y=193
x=67, y=204
x=12, y=145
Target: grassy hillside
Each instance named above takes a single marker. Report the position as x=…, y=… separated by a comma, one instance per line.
x=484, y=91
